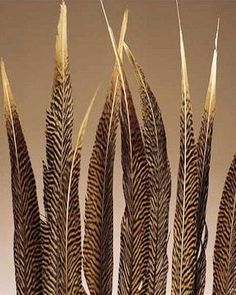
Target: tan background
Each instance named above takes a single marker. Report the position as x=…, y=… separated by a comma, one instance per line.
x=27, y=37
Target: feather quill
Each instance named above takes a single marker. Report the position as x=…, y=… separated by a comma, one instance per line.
x=27, y=234
x=225, y=244
x=185, y=230
x=204, y=157
x=160, y=184
x=98, y=240
x=133, y=253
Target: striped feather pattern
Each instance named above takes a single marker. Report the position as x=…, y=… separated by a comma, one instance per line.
x=27, y=234
x=62, y=249
x=160, y=185
x=225, y=244
x=185, y=230
x=134, y=225
x=98, y=240
x=204, y=157
x=73, y=259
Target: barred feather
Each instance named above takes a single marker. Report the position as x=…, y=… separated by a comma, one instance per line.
x=27, y=234
x=63, y=225
x=133, y=253
x=204, y=157
x=73, y=257
x=133, y=245
x=185, y=230
x=225, y=244
x=98, y=240
x=160, y=185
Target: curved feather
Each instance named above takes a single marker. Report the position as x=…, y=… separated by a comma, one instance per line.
x=225, y=244
x=134, y=225
x=98, y=240
x=73, y=258
x=204, y=158
x=185, y=229
x=160, y=185
x=27, y=234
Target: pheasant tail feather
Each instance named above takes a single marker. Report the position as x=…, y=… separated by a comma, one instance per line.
x=57, y=169
x=204, y=157
x=185, y=238
x=160, y=185
x=98, y=241
x=27, y=235
x=225, y=244
x=134, y=226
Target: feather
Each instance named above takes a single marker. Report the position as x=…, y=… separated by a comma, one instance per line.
x=59, y=123
x=73, y=258
x=160, y=185
x=185, y=230
x=225, y=244
x=98, y=240
x=27, y=234
x=133, y=253
x=204, y=157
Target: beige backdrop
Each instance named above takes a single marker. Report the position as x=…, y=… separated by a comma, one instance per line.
x=27, y=37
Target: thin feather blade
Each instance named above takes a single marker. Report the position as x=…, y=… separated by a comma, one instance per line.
x=73, y=258
x=98, y=241
x=160, y=184
x=204, y=158
x=27, y=233
x=225, y=244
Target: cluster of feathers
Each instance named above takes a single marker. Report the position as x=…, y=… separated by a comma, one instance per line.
x=48, y=252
